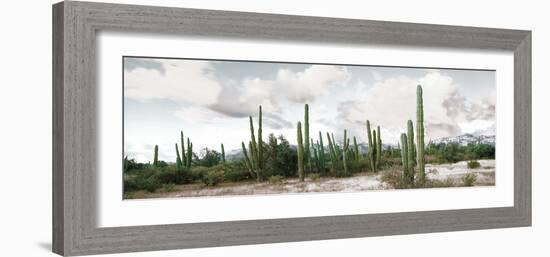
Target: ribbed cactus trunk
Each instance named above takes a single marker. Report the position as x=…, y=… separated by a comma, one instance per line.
x=410, y=151
x=223, y=154
x=307, y=151
x=300, y=149
x=378, y=146
x=375, y=148
x=344, y=151
x=253, y=145
x=247, y=161
x=332, y=153
x=156, y=156
x=420, y=135
x=178, y=159
x=183, y=156
x=405, y=157
x=356, y=149
x=260, y=145
x=315, y=160
x=189, y=153
x=371, y=150
x=321, y=152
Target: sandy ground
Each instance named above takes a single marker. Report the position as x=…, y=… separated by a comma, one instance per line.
x=359, y=182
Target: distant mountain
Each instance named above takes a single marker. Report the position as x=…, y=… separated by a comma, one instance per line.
x=466, y=139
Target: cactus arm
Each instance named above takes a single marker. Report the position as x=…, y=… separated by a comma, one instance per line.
x=321, y=151
x=370, y=151
x=307, y=151
x=247, y=160
x=344, y=151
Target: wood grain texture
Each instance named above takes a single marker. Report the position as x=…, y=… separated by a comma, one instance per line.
x=74, y=126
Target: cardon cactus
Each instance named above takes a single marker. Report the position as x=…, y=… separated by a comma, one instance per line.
x=420, y=135
x=255, y=155
x=156, y=156
x=223, y=154
x=405, y=157
x=378, y=146
x=344, y=151
x=307, y=151
x=189, y=153
x=356, y=148
x=332, y=153
x=372, y=149
x=410, y=150
x=300, y=149
x=183, y=155
x=178, y=159
x=321, y=152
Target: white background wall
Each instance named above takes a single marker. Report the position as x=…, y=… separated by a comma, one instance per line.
x=25, y=130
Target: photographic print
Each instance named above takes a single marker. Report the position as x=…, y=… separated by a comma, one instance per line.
x=196, y=127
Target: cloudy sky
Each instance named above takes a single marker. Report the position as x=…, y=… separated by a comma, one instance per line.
x=210, y=101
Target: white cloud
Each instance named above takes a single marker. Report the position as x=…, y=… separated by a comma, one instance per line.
x=390, y=103
x=182, y=81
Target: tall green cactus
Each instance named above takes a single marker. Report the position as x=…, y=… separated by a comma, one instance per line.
x=307, y=151
x=178, y=159
x=183, y=155
x=356, y=148
x=255, y=153
x=300, y=149
x=378, y=146
x=371, y=150
x=260, y=144
x=189, y=153
x=321, y=152
x=247, y=161
x=410, y=150
x=344, y=151
x=375, y=148
x=405, y=157
x=223, y=154
x=420, y=135
x=156, y=156
x=332, y=153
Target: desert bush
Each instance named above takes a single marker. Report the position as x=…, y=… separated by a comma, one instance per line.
x=276, y=179
x=168, y=187
x=235, y=171
x=361, y=165
x=143, y=181
x=212, y=177
x=198, y=172
x=314, y=176
x=469, y=179
x=473, y=165
x=394, y=178
x=170, y=174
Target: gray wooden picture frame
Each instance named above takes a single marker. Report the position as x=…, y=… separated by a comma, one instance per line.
x=75, y=25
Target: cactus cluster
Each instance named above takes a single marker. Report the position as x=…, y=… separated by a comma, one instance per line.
x=409, y=149
x=254, y=157
x=374, y=147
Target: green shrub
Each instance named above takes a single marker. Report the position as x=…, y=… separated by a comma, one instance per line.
x=473, y=165
x=394, y=178
x=469, y=179
x=361, y=165
x=168, y=187
x=276, y=179
x=314, y=176
x=198, y=172
x=235, y=171
x=212, y=178
x=144, y=181
x=170, y=174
